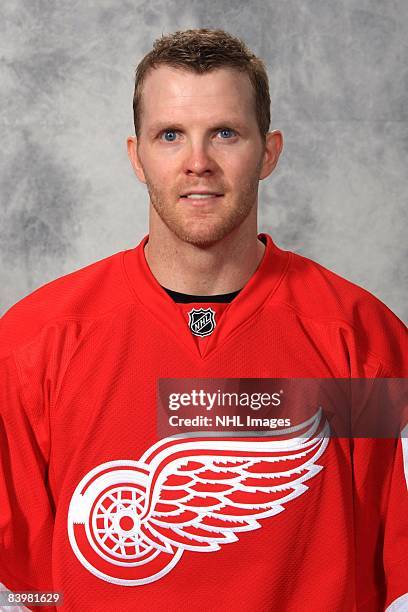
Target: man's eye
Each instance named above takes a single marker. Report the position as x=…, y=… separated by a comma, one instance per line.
x=226, y=133
x=169, y=135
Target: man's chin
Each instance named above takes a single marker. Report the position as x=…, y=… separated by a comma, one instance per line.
x=202, y=237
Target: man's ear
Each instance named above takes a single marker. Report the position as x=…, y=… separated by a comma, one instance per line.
x=273, y=148
x=134, y=158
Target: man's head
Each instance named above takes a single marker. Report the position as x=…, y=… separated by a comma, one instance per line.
x=202, y=113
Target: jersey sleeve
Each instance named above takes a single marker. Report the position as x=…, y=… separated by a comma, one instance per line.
x=26, y=509
x=35, y=351
x=380, y=521
x=380, y=473
x=396, y=527
x=379, y=463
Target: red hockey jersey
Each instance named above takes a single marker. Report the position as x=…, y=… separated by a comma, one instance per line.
x=95, y=505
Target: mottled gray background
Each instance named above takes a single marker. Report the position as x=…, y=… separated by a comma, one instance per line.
x=338, y=75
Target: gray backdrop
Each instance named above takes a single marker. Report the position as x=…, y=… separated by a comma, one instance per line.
x=338, y=76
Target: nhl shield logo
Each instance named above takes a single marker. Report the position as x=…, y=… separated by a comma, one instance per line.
x=201, y=321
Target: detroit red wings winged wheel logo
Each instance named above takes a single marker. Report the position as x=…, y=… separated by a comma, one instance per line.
x=129, y=522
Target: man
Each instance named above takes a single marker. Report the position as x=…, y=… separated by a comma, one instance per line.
x=94, y=502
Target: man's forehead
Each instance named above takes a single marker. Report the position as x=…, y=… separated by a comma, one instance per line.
x=187, y=86
x=176, y=90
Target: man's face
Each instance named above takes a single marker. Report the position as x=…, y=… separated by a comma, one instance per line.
x=199, y=133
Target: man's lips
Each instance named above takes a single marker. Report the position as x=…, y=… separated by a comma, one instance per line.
x=201, y=196
x=202, y=201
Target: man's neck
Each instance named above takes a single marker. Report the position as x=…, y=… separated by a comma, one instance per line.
x=221, y=268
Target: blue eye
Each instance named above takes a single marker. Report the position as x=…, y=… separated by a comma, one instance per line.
x=169, y=132
x=226, y=130
x=171, y=135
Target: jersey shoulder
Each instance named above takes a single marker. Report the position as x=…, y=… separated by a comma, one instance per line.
x=83, y=294
x=316, y=293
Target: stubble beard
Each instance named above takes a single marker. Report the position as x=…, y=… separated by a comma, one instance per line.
x=206, y=231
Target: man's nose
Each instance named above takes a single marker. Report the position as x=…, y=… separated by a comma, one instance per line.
x=198, y=159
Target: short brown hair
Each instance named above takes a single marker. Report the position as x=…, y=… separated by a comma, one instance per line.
x=203, y=50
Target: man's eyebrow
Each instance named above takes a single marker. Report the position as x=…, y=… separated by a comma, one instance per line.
x=162, y=125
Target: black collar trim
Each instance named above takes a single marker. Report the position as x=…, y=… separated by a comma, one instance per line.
x=185, y=298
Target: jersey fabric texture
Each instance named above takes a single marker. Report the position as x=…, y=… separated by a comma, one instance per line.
x=94, y=505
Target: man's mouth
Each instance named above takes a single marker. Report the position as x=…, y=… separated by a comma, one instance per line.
x=201, y=196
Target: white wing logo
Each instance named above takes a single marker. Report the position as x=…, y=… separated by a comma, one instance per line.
x=129, y=522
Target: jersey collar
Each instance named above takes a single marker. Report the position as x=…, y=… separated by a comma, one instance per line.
x=237, y=315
